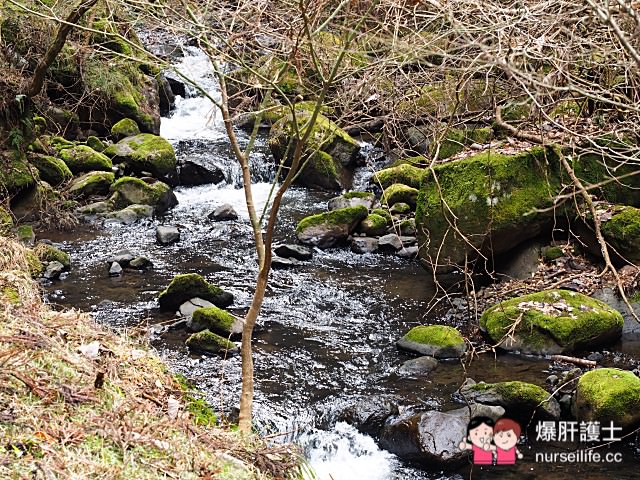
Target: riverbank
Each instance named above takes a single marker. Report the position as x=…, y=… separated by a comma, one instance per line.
x=80, y=400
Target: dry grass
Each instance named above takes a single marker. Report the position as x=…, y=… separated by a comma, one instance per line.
x=115, y=414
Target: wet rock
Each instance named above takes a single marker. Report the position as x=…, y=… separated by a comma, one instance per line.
x=407, y=227
x=609, y=395
x=389, y=243
x=128, y=215
x=552, y=380
x=191, y=305
x=92, y=183
x=54, y=270
x=167, y=234
x=48, y=253
x=123, y=257
x=521, y=400
x=145, y=153
x=429, y=438
x=373, y=226
x=298, y=252
x=115, y=270
x=400, y=208
x=209, y=343
x=167, y=97
x=595, y=357
x=134, y=191
x=223, y=212
x=190, y=285
x=190, y=173
x=418, y=367
x=124, y=128
x=352, y=199
x=327, y=230
x=140, y=263
x=281, y=263
x=399, y=193
x=51, y=169
x=404, y=174
x=94, y=208
x=407, y=240
x=215, y=320
x=368, y=413
x=551, y=322
x=439, y=341
x=364, y=245
x=408, y=252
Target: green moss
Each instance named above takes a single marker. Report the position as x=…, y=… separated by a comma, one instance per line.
x=145, y=152
x=125, y=128
x=92, y=183
x=400, y=207
x=48, y=253
x=208, y=342
x=485, y=193
x=25, y=234
x=350, y=195
x=58, y=143
x=341, y=216
x=186, y=286
x=552, y=319
x=622, y=231
x=82, y=158
x=404, y=173
x=440, y=99
x=549, y=254
x=373, y=225
x=438, y=335
x=107, y=36
x=34, y=264
x=515, y=111
x=479, y=135
x=10, y=295
x=609, y=394
x=215, y=319
x=452, y=144
x=383, y=213
x=15, y=175
x=6, y=221
x=200, y=410
x=95, y=143
x=400, y=193
x=52, y=170
x=419, y=161
x=133, y=191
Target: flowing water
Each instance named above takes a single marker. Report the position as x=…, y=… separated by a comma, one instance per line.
x=327, y=330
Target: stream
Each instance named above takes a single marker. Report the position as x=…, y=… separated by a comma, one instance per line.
x=327, y=329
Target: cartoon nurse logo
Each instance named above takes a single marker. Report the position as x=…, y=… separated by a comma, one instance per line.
x=492, y=441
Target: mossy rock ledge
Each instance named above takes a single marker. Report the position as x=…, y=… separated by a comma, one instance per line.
x=521, y=400
x=439, y=341
x=189, y=285
x=328, y=229
x=399, y=193
x=145, y=153
x=496, y=201
x=216, y=320
x=609, y=395
x=404, y=173
x=622, y=232
x=49, y=253
x=133, y=191
x=82, y=158
x=552, y=322
x=210, y=343
x=51, y=169
x=92, y=183
x=328, y=155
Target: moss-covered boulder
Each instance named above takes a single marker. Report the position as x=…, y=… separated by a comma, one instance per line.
x=551, y=322
x=15, y=175
x=190, y=285
x=92, y=183
x=496, y=201
x=209, y=343
x=383, y=213
x=48, y=253
x=51, y=169
x=6, y=221
x=327, y=230
x=399, y=193
x=404, y=173
x=374, y=225
x=439, y=341
x=82, y=158
x=521, y=400
x=327, y=156
x=400, y=208
x=95, y=143
x=216, y=320
x=609, y=395
x=26, y=235
x=125, y=128
x=35, y=266
x=145, y=153
x=622, y=232
x=129, y=191
x=352, y=199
